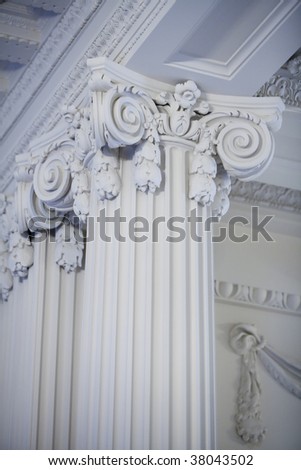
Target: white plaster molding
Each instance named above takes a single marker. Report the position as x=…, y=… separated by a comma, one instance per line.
x=109, y=39
x=105, y=168
x=285, y=372
x=48, y=55
x=278, y=197
x=231, y=64
x=16, y=251
x=243, y=141
x=221, y=201
x=246, y=342
x=286, y=83
x=258, y=297
x=6, y=278
x=69, y=247
x=54, y=178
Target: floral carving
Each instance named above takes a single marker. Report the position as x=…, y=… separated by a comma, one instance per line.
x=69, y=247
x=55, y=177
x=177, y=109
x=6, y=278
x=107, y=179
x=187, y=94
x=246, y=342
x=203, y=168
x=79, y=130
x=147, y=161
x=80, y=188
x=17, y=250
x=221, y=201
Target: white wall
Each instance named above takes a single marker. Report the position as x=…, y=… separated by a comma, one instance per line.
x=275, y=266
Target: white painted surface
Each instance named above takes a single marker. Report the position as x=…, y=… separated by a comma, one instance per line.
x=139, y=371
x=273, y=266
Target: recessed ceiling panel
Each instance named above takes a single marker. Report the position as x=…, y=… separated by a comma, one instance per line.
x=226, y=28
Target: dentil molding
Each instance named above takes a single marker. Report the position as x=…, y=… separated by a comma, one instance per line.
x=55, y=177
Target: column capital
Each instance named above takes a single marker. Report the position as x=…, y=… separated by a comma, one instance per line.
x=224, y=136
x=228, y=136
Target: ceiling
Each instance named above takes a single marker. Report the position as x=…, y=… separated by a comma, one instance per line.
x=229, y=47
x=24, y=26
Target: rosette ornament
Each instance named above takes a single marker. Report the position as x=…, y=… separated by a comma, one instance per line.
x=178, y=109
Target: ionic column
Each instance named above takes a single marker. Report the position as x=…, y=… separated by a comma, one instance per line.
x=146, y=373
x=141, y=171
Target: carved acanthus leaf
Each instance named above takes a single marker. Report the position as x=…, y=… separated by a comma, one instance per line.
x=80, y=188
x=69, y=247
x=17, y=250
x=79, y=130
x=221, y=201
x=202, y=187
x=147, y=166
x=107, y=179
x=6, y=278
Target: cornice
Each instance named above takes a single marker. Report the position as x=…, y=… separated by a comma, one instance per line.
x=45, y=60
x=286, y=83
x=121, y=23
x=17, y=21
x=277, y=197
x=258, y=297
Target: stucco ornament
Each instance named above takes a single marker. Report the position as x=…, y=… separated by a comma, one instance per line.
x=83, y=151
x=203, y=169
x=16, y=251
x=6, y=278
x=80, y=187
x=285, y=83
x=105, y=168
x=246, y=342
x=177, y=109
x=69, y=247
x=147, y=161
x=187, y=94
x=221, y=201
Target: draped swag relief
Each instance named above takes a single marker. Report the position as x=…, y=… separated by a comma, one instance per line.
x=250, y=345
x=55, y=176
